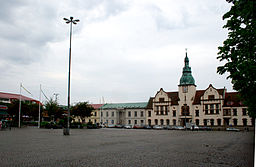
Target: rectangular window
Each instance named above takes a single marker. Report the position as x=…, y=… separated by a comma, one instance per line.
x=197, y=113
x=235, y=122
x=112, y=122
x=141, y=114
x=174, y=113
x=113, y=114
x=141, y=122
x=211, y=97
x=129, y=121
x=174, y=122
x=217, y=109
x=162, y=110
x=234, y=112
x=244, y=111
x=149, y=113
x=95, y=114
x=161, y=100
x=206, y=109
x=212, y=108
x=129, y=113
x=135, y=122
x=106, y=114
x=101, y=113
x=135, y=113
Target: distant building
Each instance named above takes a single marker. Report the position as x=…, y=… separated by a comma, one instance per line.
x=210, y=107
x=94, y=118
x=10, y=97
x=124, y=113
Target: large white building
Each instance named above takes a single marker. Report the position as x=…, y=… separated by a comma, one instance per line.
x=210, y=107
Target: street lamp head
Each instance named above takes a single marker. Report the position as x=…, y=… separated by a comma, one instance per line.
x=65, y=19
x=77, y=20
x=71, y=18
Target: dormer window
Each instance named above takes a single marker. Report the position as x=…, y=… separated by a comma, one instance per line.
x=161, y=100
x=211, y=97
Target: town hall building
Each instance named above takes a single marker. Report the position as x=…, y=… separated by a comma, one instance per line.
x=209, y=107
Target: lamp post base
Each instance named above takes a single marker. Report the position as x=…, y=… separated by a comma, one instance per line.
x=66, y=131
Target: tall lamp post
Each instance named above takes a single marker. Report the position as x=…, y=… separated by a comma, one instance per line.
x=71, y=21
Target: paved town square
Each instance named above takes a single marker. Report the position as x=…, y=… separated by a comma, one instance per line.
x=125, y=147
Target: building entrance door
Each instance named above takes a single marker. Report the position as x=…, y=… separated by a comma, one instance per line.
x=226, y=121
x=184, y=121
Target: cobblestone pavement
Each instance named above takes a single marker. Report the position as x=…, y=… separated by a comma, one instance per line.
x=125, y=147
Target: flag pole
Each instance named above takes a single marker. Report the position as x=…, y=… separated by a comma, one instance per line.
x=39, y=114
x=20, y=105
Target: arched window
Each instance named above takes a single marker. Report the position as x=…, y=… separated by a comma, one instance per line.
x=174, y=122
x=156, y=122
x=149, y=122
x=235, y=122
x=167, y=122
x=205, y=122
x=185, y=110
x=212, y=122
x=162, y=122
x=197, y=122
x=219, y=122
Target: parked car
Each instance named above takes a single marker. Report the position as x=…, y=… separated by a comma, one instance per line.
x=192, y=126
x=119, y=126
x=147, y=127
x=205, y=128
x=179, y=128
x=111, y=126
x=171, y=127
x=233, y=129
x=128, y=126
x=137, y=127
x=158, y=127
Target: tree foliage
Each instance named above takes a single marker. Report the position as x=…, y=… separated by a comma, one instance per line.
x=239, y=50
x=82, y=109
x=53, y=109
x=27, y=108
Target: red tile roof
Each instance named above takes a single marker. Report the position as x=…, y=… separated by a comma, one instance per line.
x=174, y=97
x=96, y=106
x=12, y=96
x=232, y=99
x=200, y=93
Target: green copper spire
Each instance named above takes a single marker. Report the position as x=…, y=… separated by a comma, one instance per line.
x=186, y=78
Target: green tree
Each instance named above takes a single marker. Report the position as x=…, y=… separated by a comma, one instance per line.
x=239, y=50
x=82, y=109
x=53, y=109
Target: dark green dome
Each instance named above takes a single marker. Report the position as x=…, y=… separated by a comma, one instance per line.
x=187, y=78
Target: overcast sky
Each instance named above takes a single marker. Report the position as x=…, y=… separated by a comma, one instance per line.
x=122, y=50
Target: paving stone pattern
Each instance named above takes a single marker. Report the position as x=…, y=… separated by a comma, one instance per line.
x=125, y=147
